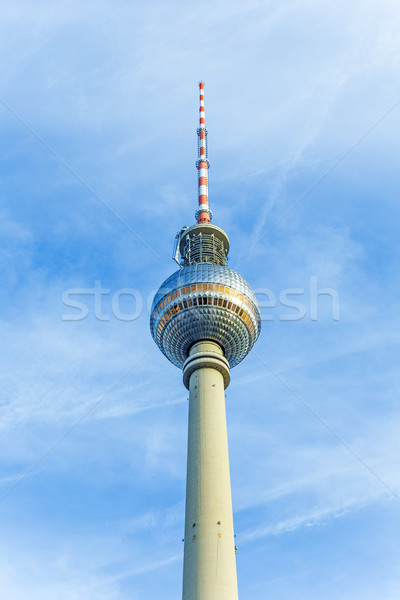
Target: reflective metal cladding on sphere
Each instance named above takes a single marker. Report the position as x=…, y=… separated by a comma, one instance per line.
x=205, y=301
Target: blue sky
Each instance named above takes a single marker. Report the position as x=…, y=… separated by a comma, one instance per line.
x=99, y=106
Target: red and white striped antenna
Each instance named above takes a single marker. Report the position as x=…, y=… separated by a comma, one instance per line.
x=203, y=213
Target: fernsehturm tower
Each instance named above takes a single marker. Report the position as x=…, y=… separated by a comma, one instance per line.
x=205, y=319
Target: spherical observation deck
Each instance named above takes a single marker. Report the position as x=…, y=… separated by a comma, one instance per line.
x=205, y=301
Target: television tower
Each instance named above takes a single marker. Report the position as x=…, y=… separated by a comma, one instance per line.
x=205, y=319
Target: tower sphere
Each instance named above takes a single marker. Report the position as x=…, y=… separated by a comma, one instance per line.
x=204, y=300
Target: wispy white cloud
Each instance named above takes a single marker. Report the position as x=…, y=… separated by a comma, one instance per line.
x=309, y=519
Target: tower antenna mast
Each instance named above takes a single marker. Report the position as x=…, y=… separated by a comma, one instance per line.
x=203, y=213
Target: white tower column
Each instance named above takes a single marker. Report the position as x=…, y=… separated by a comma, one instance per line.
x=209, y=570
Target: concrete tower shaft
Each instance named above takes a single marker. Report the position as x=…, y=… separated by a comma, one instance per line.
x=209, y=552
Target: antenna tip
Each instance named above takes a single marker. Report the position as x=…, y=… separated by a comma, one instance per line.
x=201, y=84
